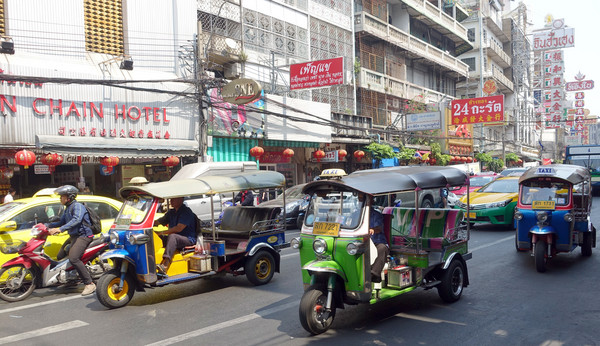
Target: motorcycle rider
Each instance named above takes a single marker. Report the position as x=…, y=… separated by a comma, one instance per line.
x=72, y=220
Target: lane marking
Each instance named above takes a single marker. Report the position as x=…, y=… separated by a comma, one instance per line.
x=223, y=325
x=43, y=331
x=428, y=319
x=3, y=311
x=493, y=243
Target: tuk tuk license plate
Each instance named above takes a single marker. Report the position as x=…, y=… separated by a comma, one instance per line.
x=326, y=228
x=543, y=205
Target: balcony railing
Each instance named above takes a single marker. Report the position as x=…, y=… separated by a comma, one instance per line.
x=503, y=59
x=385, y=84
x=374, y=26
x=439, y=16
x=500, y=77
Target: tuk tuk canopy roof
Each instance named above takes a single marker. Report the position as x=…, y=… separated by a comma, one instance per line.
x=210, y=185
x=395, y=179
x=572, y=173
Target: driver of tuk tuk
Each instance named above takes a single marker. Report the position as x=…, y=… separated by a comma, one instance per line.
x=181, y=232
x=378, y=238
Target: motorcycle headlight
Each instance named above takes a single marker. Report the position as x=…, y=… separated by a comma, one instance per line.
x=354, y=248
x=114, y=237
x=541, y=216
x=319, y=246
x=568, y=217
x=518, y=215
x=295, y=243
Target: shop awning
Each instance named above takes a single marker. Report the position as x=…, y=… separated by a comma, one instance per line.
x=290, y=144
x=120, y=147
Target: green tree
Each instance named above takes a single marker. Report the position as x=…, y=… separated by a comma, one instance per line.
x=511, y=157
x=405, y=155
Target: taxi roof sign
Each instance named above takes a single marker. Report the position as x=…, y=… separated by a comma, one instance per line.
x=332, y=173
x=545, y=170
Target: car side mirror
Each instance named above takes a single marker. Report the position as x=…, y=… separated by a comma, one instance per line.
x=8, y=226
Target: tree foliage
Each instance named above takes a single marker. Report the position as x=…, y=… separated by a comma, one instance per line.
x=512, y=157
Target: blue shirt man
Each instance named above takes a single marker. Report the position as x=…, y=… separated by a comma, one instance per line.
x=376, y=232
x=181, y=233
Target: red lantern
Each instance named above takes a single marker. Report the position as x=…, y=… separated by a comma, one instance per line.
x=109, y=162
x=319, y=154
x=469, y=159
x=52, y=160
x=341, y=154
x=288, y=153
x=257, y=152
x=25, y=158
x=359, y=154
x=170, y=161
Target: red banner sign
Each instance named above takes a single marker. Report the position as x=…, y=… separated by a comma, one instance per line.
x=315, y=74
x=580, y=85
x=478, y=110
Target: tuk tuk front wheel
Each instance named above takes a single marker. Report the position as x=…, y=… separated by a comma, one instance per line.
x=540, y=255
x=313, y=316
x=260, y=268
x=453, y=278
x=586, y=247
x=108, y=291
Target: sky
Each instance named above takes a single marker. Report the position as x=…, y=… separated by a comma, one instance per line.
x=583, y=16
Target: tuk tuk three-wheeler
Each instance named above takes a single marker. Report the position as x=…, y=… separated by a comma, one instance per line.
x=428, y=246
x=553, y=212
x=247, y=241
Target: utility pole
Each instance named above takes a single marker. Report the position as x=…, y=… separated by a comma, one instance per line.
x=198, y=75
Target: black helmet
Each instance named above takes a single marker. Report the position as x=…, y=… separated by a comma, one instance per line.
x=67, y=190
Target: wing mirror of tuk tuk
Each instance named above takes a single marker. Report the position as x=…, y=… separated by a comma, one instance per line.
x=355, y=248
x=138, y=239
x=295, y=243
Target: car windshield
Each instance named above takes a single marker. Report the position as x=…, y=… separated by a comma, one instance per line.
x=480, y=181
x=134, y=210
x=535, y=190
x=501, y=186
x=344, y=208
x=7, y=207
x=294, y=192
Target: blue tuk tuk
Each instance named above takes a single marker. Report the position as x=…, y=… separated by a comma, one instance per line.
x=553, y=212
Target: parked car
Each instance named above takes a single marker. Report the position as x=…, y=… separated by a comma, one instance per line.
x=295, y=205
x=495, y=202
x=476, y=181
x=516, y=171
x=18, y=217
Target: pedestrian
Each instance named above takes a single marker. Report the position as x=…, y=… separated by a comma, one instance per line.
x=245, y=198
x=75, y=220
x=10, y=195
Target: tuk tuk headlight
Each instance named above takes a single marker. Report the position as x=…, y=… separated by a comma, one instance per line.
x=541, y=216
x=518, y=215
x=138, y=239
x=354, y=248
x=319, y=246
x=568, y=217
x=295, y=243
x=114, y=237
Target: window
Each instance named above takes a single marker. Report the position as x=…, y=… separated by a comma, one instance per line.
x=471, y=35
x=470, y=62
x=103, y=21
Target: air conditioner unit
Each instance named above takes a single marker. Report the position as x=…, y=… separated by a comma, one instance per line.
x=233, y=70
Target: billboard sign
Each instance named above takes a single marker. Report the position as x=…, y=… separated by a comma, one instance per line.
x=424, y=121
x=579, y=85
x=554, y=39
x=478, y=110
x=316, y=74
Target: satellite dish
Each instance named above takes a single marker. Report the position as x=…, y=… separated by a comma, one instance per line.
x=231, y=43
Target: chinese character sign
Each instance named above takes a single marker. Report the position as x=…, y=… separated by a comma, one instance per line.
x=478, y=110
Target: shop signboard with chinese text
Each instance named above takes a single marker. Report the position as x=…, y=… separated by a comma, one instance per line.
x=316, y=74
x=478, y=110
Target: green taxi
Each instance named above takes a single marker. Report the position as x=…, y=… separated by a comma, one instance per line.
x=18, y=217
x=493, y=203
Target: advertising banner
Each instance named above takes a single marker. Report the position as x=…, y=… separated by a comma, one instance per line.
x=316, y=74
x=580, y=85
x=424, y=121
x=478, y=110
x=553, y=39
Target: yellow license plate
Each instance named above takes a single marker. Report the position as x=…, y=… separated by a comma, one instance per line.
x=543, y=205
x=472, y=215
x=326, y=228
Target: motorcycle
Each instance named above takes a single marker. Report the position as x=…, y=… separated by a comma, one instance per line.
x=20, y=276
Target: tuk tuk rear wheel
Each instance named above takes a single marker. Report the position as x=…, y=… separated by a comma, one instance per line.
x=313, y=317
x=260, y=268
x=586, y=247
x=540, y=255
x=108, y=292
x=453, y=279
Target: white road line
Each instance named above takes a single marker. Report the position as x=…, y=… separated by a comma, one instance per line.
x=43, y=331
x=3, y=311
x=493, y=243
x=224, y=325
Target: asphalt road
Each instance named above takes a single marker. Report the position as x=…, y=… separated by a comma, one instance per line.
x=507, y=303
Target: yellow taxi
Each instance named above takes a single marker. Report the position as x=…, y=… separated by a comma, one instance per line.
x=494, y=202
x=18, y=217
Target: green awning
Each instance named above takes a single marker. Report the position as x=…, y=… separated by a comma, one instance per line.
x=231, y=149
x=290, y=144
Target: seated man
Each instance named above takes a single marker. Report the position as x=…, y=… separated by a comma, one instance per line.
x=376, y=232
x=181, y=233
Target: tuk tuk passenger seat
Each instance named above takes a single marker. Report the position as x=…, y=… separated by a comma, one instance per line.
x=242, y=222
